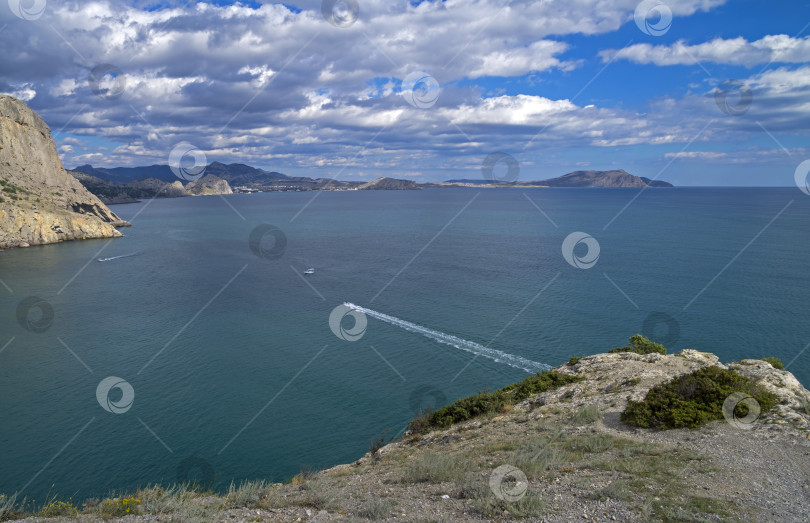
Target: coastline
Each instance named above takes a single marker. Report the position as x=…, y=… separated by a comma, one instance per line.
x=580, y=461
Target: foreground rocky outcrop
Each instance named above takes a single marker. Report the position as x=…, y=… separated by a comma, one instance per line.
x=40, y=202
x=558, y=456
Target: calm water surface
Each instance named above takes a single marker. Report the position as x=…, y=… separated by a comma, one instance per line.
x=237, y=375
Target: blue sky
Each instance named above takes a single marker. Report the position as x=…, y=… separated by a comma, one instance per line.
x=423, y=90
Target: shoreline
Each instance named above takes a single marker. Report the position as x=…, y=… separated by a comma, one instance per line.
x=590, y=462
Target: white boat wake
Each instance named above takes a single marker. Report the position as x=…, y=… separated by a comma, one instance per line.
x=117, y=257
x=453, y=341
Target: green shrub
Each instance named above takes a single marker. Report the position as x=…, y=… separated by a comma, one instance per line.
x=641, y=345
x=541, y=382
x=694, y=399
x=776, y=363
x=467, y=408
x=111, y=508
x=573, y=361
x=58, y=508
x=491, y=402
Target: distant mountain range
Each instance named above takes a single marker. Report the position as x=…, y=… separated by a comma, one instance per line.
x=234, y=174
x=128, y=184
x=615, y=178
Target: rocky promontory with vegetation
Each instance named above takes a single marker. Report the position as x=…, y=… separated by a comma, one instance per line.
x=634, y=434
x=40, y=202
x=388, y=184
x=208, y=185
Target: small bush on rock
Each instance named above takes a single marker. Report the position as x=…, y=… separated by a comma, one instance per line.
x=640, y=345
x=776, y=363
x=58, y=508
x=694, y=399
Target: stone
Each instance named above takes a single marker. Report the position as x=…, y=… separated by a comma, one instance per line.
x=40, y=202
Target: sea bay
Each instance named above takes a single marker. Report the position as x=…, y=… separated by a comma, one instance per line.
x=234, y=365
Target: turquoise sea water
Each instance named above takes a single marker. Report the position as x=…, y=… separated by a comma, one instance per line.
x=236, y=373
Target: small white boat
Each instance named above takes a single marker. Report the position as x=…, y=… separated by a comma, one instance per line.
x=311, y=270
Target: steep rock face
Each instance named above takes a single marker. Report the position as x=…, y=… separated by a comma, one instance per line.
x=208, y=185
x=41, y=203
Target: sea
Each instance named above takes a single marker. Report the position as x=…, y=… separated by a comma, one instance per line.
x=196, y=349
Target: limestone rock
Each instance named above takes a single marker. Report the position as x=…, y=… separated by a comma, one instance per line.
x=208, y=185
x=613, y=378
x=780, y=382
x=39, y=201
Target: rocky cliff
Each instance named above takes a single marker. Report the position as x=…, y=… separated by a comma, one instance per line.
x=208, y=185
x=39, y=201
